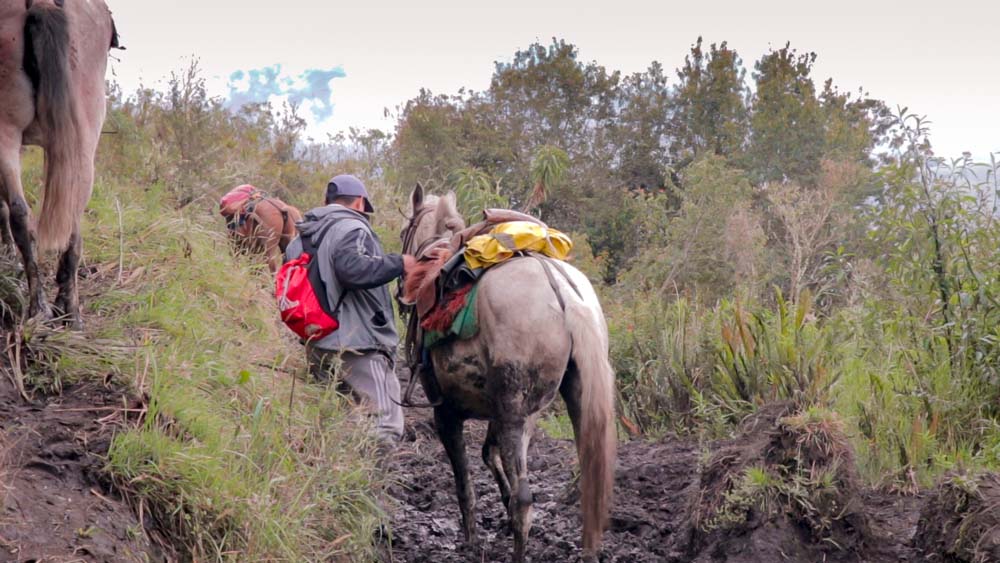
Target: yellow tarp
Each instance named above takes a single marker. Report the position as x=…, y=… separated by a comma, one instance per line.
x=507, y=238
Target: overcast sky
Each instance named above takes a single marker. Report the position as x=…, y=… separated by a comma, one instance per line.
x=939, y=59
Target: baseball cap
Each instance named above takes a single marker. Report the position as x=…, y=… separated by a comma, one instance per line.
x=346, y=184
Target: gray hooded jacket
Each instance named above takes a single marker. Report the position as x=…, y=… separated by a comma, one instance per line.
x=351, y=259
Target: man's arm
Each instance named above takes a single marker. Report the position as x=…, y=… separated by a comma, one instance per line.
x=357, y=267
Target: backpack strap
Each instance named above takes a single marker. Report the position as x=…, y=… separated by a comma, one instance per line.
x=315, y=279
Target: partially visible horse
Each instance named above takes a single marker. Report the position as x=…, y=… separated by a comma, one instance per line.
x=53, y=56
x=538, y=334
x=260, y=223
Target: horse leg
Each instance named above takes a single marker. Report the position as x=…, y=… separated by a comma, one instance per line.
x=450, y=430
x=514, y=439
x=20, y=226
x=572, y=393
x=68, y=299
x=273, y=253
x=5, y=237
x=492, y=459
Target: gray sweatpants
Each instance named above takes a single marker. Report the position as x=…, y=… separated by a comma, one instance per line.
x=370, y=378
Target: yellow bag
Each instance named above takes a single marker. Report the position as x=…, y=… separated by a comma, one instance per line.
x=505, y=239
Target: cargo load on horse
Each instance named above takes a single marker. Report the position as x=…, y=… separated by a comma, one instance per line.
x=443, y=287
x=259, y=223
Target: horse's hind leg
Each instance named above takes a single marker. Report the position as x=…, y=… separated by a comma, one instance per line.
x=514, y=439
x=572, y=394
x=20, y=222
x=5, y=237
x=68, y=300
x=450, y=429
x=493, y=460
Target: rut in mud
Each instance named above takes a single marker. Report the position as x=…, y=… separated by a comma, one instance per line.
x=657, y=485
x=57, y=505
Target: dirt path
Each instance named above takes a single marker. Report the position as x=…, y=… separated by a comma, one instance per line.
x=56, y=504
x=650, y=521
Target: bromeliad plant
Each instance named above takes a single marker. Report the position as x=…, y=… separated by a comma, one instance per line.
x=771, y=356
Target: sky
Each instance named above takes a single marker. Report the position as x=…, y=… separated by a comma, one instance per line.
x=346, y=63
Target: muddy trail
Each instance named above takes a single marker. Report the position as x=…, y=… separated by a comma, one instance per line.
x=657, y=484
x=57, y=502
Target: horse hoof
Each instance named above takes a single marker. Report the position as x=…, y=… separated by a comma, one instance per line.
x=41, y=312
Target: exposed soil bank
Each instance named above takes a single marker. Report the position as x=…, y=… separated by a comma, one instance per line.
x=57, y=506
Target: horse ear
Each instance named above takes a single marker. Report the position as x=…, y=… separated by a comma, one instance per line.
x=417, y=198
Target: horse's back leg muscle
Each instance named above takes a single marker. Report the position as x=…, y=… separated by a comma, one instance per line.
x=450, y=429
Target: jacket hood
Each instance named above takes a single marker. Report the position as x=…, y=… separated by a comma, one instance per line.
x=315, y=219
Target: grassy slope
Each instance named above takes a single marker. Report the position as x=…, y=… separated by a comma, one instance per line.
x=230, y=465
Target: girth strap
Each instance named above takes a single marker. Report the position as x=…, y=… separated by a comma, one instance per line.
x=547, y=265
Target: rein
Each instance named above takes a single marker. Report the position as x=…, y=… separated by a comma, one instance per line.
x=411, y=348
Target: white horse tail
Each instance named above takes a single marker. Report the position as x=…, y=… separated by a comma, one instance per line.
x=46, y=61
x=597, y=442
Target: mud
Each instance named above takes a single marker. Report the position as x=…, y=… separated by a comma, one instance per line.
x=960, y=522
x=657, y=486
x=56, y=503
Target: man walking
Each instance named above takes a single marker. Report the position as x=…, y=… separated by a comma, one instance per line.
x=355, y=272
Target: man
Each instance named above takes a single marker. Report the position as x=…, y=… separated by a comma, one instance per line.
x=355, y=271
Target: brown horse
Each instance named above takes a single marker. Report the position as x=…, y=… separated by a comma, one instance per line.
x=263, y=225
x=53, y=55
x=537, y=335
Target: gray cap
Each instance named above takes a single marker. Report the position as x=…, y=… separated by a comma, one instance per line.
x=346, y=184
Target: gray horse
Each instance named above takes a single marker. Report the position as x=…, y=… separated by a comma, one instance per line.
x=531, y=344
x=53, y=55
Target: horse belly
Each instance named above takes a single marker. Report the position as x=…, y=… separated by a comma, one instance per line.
x=461, y=376
x=494, y=392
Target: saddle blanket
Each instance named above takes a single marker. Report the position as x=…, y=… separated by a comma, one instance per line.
x=453, y=317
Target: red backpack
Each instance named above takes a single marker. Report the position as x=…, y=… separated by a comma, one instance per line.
x=302, y=297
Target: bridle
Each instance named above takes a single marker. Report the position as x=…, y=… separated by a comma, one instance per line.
x=411, y=349
x=409, y=233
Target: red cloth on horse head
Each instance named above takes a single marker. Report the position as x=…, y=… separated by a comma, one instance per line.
x=236, y=196
x=420, y=286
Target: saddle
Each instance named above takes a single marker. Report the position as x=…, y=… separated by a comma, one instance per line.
x=238, y=207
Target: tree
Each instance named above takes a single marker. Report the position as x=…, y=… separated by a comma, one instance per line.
x=787, y=134
x=639, y=136
x=813, y=222
x=702, y=245
x=548, y=168
x=428, y=140
x=546, y=96
x=475, y=190
x=709, y=105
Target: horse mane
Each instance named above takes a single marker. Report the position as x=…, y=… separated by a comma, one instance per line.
x=424, y=272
